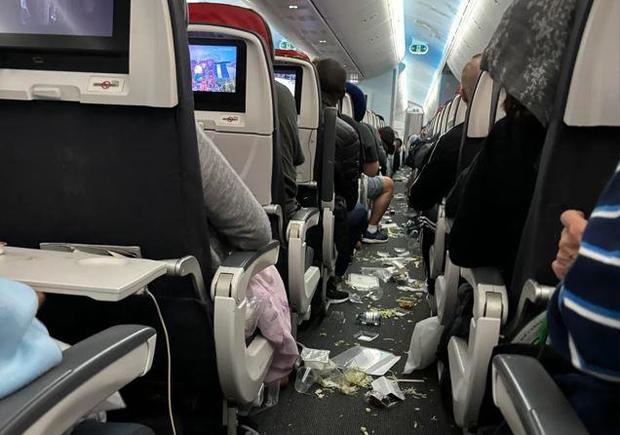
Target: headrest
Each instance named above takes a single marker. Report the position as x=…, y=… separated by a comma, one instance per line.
x=347, y=106
x=26, y=349
x=358, y=99
x=231, y=16
x=293, y=54
x=594, y=93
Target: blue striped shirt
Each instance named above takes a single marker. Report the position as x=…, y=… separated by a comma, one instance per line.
x=584, y=314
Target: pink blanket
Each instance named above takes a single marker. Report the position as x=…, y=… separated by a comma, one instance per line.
x=268, y=311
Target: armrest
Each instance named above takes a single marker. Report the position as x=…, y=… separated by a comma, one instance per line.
x=490, y=295
x=89, y=373
x=276, y=211
x=242, y=368
x=243, y=265
x=302, y=220
x=529, y=399
x=532, y=293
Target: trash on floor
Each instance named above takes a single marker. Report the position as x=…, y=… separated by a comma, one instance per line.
x=363, y=430
x=319, y=393
x=369, y=318
x=365, y=336
x=379, y=400
x=348, y=382
x=371, y=361
x=305, y=379
x=387, y=387
x=383, y=273
x=414, y=393
x=363, y=282
x=406, y=303
x=423, y=346
x=390, y=313
x=315, y=358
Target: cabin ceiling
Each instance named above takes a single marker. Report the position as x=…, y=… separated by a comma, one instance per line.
x=358, y=33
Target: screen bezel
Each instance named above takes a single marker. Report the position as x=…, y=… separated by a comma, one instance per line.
x=224, y=101
x=71, y=53
x=299, y=74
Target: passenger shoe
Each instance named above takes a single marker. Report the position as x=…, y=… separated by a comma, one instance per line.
x=334, y=295
x=376, y=237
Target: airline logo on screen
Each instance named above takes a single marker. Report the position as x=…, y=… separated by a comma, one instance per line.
x=110, y=85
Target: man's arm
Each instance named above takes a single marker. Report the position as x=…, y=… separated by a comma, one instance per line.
x=584, y=313
x=231, y=207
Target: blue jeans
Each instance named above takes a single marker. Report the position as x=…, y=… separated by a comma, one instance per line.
x=357, y=223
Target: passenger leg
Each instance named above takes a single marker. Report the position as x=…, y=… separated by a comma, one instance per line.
x=379, y=207
x=356, y=223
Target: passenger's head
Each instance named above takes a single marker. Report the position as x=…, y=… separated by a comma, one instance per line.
x=359, y=101
x=333, y=78
x=388, y=136
x=469, y=77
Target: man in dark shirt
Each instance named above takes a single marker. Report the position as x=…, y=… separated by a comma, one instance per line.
x=439, y=174
x=350, y=220
x=380, y=189
x=292, y=154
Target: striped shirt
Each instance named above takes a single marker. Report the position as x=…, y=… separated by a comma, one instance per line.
x=584, y=314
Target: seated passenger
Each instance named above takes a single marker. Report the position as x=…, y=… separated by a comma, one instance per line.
x=380, y=189
x=398, y=154
x=492, y=200
x=381, y=154
x=439, y=174
x=239, y=221
x=292, y=154
x=350, y=220
x=388, y=137
x=583, y=314
x=26, y=349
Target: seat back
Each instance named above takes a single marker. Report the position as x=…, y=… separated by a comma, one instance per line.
x=581, y=148
x=112, y=162
x=347, y=106
x=479, y=119
x=296, y=71
x=454, y=109
x=242, y=119
x=446, y=118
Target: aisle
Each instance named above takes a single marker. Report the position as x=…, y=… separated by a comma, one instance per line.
x=331, y=412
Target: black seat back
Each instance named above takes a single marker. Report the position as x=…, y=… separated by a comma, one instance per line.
x=581, y=149
x=123, y=173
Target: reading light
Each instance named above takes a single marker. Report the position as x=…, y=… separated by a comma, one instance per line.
x=293, y=7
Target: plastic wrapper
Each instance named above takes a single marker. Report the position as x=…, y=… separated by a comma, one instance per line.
x=423, y=346
x=315, y=358
x=305, y=379
x=374, y=362
x=363, y=282
x=383, y=273
x=366, y=336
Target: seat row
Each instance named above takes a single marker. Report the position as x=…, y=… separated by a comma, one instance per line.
x=117, y=174
x=584, y=125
